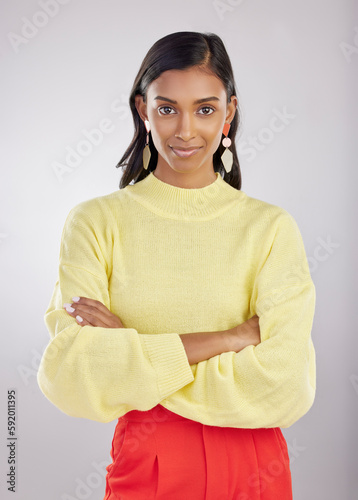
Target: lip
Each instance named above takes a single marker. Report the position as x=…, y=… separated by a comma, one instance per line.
x=185, y=153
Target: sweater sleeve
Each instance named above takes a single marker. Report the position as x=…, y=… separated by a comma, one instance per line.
x=272, y=384
x=94, y=372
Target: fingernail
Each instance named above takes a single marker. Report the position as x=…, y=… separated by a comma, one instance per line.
x=79, y=318
x=75, y=299
x=69, y=309
x=66, y=305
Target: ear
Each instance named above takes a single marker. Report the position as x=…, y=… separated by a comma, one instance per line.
x=141, y=107
x=231, y=109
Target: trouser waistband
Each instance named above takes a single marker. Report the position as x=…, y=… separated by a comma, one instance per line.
x=156, y=414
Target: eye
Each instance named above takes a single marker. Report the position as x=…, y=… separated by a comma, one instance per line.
x=165, y=107
x=207, y=107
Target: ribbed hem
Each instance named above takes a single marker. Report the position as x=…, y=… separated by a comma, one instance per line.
x=185, y=203
x=168, y=357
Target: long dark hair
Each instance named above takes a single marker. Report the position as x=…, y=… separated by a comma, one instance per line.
x=180, y=50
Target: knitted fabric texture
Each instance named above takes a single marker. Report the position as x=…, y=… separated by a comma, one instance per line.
x=170, y=261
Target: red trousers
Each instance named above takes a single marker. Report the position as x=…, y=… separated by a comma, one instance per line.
x=158, y=454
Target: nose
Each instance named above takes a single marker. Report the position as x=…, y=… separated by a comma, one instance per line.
x=186, y=128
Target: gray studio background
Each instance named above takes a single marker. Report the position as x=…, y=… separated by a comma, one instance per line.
x=70, y=70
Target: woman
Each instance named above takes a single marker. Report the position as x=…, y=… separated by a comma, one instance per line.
x=184, y=307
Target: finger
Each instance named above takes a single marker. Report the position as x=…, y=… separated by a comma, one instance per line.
x=80, y=318
x=96, y=312
x=96, y=304
x=91, y=313
x=82, y=321
x=92, y=319
x=84, y=318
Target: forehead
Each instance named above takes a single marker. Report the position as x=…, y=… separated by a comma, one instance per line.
x=186, y=85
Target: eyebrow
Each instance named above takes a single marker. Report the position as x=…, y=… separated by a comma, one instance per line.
x=198, y=101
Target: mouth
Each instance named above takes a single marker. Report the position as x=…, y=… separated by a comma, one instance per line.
x=185, y=153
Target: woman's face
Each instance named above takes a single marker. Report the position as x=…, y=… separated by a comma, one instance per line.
x=187, y=110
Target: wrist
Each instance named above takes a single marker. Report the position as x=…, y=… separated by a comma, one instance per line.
x=235, y=339
x=231, y=338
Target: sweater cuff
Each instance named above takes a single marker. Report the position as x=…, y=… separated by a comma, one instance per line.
x=169, y=359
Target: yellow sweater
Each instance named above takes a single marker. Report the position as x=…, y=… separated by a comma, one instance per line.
x=170, y=261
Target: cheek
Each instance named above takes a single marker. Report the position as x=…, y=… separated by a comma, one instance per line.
x=211, y=134
x=160, y=134
x=160, y=141
x=214, y=140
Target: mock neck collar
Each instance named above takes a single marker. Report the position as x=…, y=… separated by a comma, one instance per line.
x=185, y=203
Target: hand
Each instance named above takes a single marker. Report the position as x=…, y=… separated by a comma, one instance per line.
x=247, y=333
x=93, y=313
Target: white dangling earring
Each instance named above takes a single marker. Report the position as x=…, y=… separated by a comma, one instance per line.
x=146, y=150
x=227, y=157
